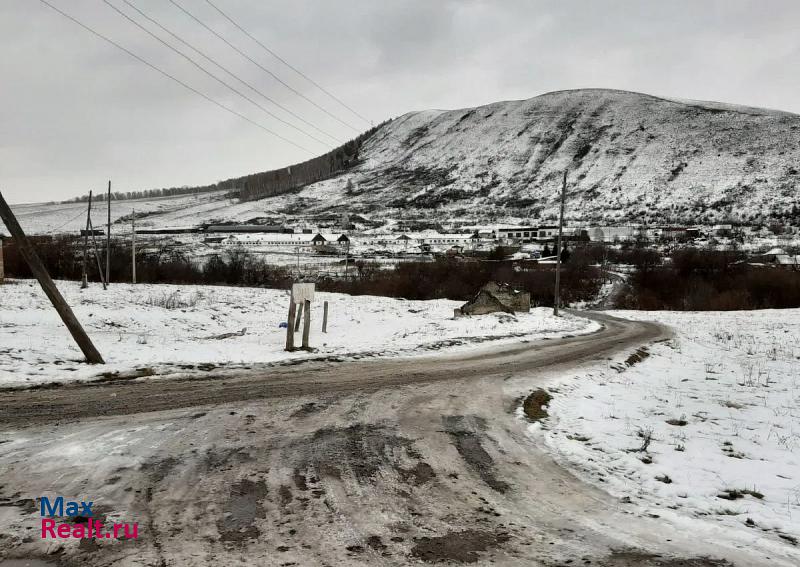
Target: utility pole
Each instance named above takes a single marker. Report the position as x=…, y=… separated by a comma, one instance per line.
x=108, y=235
x=557, y=298
x=133, y=245
x=97, y=254
x=346, y=258
x=84, y=279
x=35, y=264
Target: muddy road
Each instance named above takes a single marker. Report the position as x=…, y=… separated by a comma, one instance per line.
x=120, y=397
x=401, y=462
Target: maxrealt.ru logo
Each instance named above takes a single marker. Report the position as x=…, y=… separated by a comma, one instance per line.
x=80, y=521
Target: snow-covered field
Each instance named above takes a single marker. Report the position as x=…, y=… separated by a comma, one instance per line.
x=146, y=329
x=719, y=403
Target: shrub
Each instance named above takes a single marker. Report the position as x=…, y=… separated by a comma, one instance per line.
x=700, y=280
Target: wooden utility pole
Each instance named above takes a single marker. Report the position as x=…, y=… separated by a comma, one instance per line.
x=50, y=289
x=84, y=278
x=557, y=298
x=290, y=324
x=108, y=235
x=97, y=254
x=306, y=322
x=133, y=246
x=2, y=270
x=325, y=317
x=346, y=258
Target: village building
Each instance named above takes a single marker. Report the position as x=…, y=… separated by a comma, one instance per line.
x=236, y=228
x=777, y=257
x=527, y=234
x=430, y=240
x=278, y=240
x=612, y=233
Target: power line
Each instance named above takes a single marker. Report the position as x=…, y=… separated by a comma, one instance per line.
x=81, y=212
x=230, y=73
x=292, y=67
x=204, y=70
x=260, y=66
x=172, y=77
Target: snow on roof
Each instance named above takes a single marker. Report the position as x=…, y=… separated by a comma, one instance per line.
x=273, y=237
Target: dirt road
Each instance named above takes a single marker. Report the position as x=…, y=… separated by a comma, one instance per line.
x=390, y=463
x=118, y=397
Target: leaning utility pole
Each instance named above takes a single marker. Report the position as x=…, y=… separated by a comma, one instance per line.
x=557, y=298
x=35, y=264
x=108, y=235
x=84, y=279
x=133, y=245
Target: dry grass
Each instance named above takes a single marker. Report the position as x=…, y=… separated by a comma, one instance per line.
x=534, y=405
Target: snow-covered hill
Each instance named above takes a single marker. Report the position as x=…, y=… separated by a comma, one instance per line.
x=629, y=156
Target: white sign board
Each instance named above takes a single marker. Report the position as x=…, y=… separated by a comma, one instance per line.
x=302, y=292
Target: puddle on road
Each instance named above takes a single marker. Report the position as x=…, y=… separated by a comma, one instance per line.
x=241, y=510
x=461, y=547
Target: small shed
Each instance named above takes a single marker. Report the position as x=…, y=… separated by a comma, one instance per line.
x=494, y=297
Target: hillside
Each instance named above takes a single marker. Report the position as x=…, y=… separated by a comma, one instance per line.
x=631, y=158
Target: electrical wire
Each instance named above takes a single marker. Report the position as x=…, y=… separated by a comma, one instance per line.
x=229, y=72
x=292, y=67
x=260, y=66
x=204, y=70
x=172, y=77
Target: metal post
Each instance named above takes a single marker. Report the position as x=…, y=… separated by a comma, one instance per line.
x=557, y=297
x=108, y=235
x=50, y=289
x=84, y=278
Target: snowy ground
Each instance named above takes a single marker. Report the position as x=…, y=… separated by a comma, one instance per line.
x=720, y=401
x=148, y=329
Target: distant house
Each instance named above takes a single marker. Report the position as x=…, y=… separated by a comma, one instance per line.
x=777, y=257
x=722, y=229
x=611, y=233
x=430, y=240
x=279, y=240
x=673, y=233
x=494, y=297
x=527, y=234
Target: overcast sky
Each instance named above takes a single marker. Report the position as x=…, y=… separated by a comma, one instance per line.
x=78, y=111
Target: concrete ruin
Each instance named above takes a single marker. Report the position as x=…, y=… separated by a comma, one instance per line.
x=494, y=297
